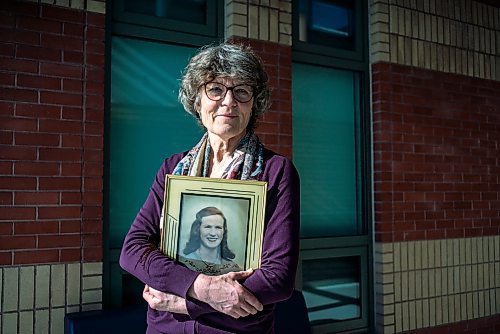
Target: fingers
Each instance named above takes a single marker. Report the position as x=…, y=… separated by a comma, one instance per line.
x=239, y=275
x=156, y=293
x=245, y=305
x=240, y=310
x=225, y=294
x=146, y=294
x=152, y=297
x=162, y=301
x=248, y=309
x=253, y=305
x=250, y=301
x=240, y=313
x=148, y=298
x=234, y=311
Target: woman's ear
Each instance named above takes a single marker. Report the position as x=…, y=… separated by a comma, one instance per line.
x=197, y=106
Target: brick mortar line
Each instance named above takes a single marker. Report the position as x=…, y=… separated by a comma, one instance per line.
x=486, y=300
x=464, y=20
x=68, y=4
x=494, y=53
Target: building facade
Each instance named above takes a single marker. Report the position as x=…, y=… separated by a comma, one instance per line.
x=435, y=72
x=389, y=109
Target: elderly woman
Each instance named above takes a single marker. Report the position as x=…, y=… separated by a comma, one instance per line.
x=225, y=88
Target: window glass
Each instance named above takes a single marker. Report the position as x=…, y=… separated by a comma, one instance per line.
x=331, y=288
x=324, y=149
x=147, y=123
x=331, y=152
x=328, y=23
x=193, y=11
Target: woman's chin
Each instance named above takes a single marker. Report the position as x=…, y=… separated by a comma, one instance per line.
x=228, y=132
x=213, y=245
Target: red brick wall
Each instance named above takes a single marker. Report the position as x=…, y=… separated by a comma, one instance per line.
x=51, y=127
x=436, y=154
x=274, y=128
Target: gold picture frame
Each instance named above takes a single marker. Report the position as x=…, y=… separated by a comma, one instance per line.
x=241, y=206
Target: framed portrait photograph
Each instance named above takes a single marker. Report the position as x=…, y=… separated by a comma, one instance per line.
x=213, y=226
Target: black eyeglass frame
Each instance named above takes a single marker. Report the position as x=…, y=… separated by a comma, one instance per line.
x=228, y=89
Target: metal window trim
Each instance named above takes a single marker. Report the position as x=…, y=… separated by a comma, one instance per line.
x=359, y=53
x=362, y=251
x=353, y=60
x=168, y=30
x=307, y=244
x=154, y=34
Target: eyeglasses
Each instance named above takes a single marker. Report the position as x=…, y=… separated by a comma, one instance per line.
x=216, y=91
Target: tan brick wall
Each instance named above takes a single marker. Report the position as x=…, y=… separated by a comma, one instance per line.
x=428, y=283
x=455, y=36
x=36, y=297
x=264, y=20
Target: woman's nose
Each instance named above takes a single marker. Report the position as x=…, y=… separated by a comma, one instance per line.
x=229, y=99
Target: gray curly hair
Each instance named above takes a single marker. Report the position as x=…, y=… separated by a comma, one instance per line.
x=225, y=60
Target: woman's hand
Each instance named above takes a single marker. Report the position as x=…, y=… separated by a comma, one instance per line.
x=225, y=294
x=162, y=301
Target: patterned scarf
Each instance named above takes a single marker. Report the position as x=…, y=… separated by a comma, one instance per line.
x=246, y=163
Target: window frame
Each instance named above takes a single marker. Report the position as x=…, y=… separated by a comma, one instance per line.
x=138, y=26
x=168, y=30
x=361, y=144
x=358, y=54
x=338, y=247
x=356, y=60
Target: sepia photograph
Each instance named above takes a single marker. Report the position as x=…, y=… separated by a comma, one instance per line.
x=213, y=226
x=213, y=231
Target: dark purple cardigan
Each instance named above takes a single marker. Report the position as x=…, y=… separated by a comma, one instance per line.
x=271, y=283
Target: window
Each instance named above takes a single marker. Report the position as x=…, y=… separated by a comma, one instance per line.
x=187, y=11
x=332, y=289
x=335, y=287
x=330, y=28
x=145, y=123
x=331, y=149
x=327, y=100
x=194, y=22
x=327, y=23
x=150, y=44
